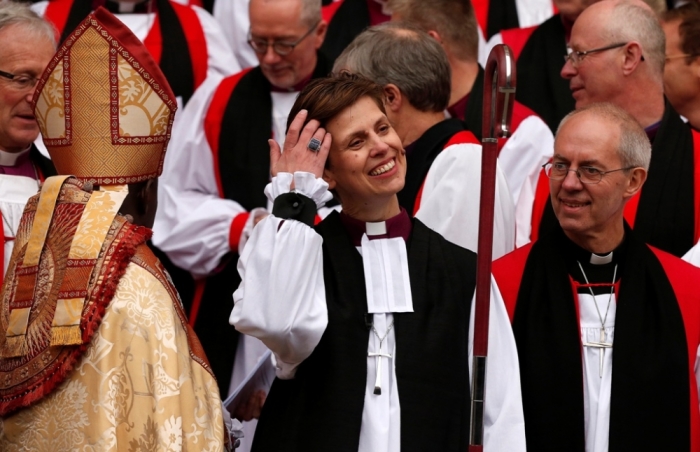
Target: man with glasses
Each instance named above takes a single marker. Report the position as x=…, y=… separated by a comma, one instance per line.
x=617, y=56
x=538, y=50
x=607, y=327
x=27, y=44
x=219, y=163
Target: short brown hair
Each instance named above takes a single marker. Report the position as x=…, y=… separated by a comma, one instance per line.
x=325, y=98
x=688, y=29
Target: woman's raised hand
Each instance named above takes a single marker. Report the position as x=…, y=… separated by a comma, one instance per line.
x=297, y=155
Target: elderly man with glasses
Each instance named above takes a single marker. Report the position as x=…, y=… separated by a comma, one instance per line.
x=212, y=187
x=617, y=56
x=607, y=327
x=27, y=44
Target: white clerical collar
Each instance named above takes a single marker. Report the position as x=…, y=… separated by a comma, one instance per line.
x=10, y=158
x=373, y=229
x=600, y=260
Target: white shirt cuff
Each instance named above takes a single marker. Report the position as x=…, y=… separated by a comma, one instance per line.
x=305, y=183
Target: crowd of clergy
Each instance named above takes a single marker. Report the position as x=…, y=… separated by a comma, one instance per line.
x=318, y=214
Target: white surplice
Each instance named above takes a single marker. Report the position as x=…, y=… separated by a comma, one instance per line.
x=282, y=302
x=596, y=389
x=693, y=255
x=450, y=200
x=14, y=193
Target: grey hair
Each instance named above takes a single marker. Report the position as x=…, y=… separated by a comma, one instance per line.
x=634, y=148
x=310, y=12
x=20, y=14
x=405, y=56
x=632, y=22
x=454, y=20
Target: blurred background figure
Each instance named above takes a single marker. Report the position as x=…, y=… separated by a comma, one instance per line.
x=682, y=68
x=186, y=41
x=452, y=24
x=539, y=51
x=27, y=44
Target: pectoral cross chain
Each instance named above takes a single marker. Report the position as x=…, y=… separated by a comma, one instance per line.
x=379, y=355
x=601, y=346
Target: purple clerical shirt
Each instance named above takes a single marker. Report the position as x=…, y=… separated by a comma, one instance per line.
x=17, y=165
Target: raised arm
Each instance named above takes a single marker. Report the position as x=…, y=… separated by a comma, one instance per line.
x=281, y=299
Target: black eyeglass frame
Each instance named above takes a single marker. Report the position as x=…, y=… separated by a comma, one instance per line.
x=291, y=45
x=548, y=166
x=580, y=55
x=12, y=77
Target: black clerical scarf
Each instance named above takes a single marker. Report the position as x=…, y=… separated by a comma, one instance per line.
x=503, y=15
x=43, y=164
x=474, y=111
x=320, y=410
x=351, y=19
x=665, y=216
x=175, y=60
x=651, y=386
x=422, y=153
x=244, y=155
x=540, y=85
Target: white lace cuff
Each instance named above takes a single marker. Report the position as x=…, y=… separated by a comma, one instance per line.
x=305, y=183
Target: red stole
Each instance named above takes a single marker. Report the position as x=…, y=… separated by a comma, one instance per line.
x=215, y=116
x=515, y=38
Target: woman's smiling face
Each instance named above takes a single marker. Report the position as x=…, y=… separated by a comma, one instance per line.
x=367, y=163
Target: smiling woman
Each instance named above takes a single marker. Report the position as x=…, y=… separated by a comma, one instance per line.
x=366, y=165
x=335, y=303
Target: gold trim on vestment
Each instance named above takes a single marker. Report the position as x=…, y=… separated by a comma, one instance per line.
x=94, y=225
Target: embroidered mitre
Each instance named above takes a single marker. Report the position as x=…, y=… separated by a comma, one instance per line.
x=103, y=105
x=105, y=112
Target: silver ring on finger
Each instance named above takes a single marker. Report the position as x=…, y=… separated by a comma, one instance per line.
x=314, y=144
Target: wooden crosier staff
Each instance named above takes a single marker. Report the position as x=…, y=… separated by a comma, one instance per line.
x=499, y=94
